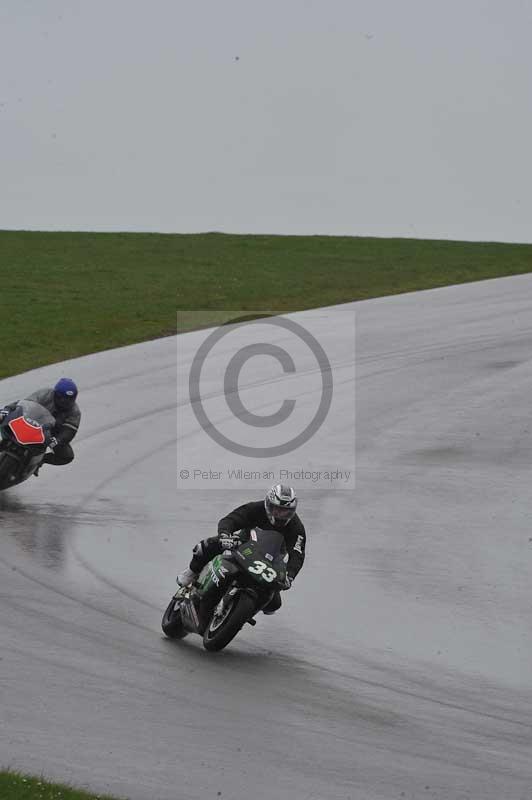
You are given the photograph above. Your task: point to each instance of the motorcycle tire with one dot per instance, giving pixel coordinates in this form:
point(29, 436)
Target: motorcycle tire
point(6, 470)
point(172, 623)
point(225, 631)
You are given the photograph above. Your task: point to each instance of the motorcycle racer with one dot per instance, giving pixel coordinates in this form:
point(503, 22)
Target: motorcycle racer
point(278, 512)
point(60, 400)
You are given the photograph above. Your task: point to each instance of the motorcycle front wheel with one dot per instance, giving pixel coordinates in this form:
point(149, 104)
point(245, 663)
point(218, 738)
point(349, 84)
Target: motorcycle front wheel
point(7, 470)
point(224, 626)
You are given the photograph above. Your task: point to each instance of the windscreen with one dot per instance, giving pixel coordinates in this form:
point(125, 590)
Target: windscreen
point(270, 541)
point(34, 411)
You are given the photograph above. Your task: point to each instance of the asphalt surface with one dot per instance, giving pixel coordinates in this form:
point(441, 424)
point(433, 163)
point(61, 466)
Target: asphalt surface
point(400, 664)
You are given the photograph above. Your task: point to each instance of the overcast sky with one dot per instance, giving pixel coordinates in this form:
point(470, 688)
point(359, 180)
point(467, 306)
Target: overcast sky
point(378, 117)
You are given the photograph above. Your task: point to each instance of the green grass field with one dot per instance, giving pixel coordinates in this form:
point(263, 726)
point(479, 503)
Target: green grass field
point(18, 787)
point(67, 294)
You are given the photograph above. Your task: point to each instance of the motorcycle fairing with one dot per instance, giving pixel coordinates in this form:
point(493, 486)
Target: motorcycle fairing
point(274, 566)
point(215, 577)
point(26, 431)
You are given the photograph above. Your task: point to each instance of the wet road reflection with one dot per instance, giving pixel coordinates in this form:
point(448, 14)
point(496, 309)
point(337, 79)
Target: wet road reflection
point(45, 531)
point(40, 530)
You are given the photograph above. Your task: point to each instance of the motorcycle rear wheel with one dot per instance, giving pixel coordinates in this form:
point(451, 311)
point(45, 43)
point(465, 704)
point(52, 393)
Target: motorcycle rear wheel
point(218, 634)
point(172, 623)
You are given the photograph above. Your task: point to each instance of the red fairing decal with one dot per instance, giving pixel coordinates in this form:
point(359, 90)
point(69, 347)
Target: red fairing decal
point(25, 432)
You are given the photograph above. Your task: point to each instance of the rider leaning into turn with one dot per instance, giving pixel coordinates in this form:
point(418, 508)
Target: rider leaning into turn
point(277, 512)
point(61, 403)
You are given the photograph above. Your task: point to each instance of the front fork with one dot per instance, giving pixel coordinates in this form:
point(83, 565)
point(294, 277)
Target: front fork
point(234, 590)
point(23, 456)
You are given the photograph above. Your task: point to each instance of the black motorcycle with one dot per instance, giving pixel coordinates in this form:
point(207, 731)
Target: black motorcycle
point(230, 590)
point(25, 433)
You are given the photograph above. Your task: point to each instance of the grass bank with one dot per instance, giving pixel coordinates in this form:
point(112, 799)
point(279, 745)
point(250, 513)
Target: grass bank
point(14, 786)
point(68, 294)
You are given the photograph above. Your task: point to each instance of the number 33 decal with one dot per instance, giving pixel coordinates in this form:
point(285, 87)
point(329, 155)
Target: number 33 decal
point(260, 568)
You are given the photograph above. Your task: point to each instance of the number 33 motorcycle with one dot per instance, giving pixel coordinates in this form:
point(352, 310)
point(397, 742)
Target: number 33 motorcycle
point(230, 590)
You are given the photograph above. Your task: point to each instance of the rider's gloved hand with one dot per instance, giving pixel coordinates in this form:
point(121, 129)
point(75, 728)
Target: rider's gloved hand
point(228, 541)
point(287, 583)
point(3, 413)
point(53, 443)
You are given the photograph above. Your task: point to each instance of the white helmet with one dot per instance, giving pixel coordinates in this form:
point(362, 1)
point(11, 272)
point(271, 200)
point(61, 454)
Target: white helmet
point(280, 504)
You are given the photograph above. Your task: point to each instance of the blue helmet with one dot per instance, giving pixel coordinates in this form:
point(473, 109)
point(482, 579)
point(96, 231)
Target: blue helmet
point(65, 393)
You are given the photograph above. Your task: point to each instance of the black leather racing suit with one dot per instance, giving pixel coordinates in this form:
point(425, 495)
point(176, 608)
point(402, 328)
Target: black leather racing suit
point(243, 518)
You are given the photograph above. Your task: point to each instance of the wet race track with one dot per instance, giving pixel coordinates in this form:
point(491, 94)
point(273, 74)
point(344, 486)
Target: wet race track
point(400, 664)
